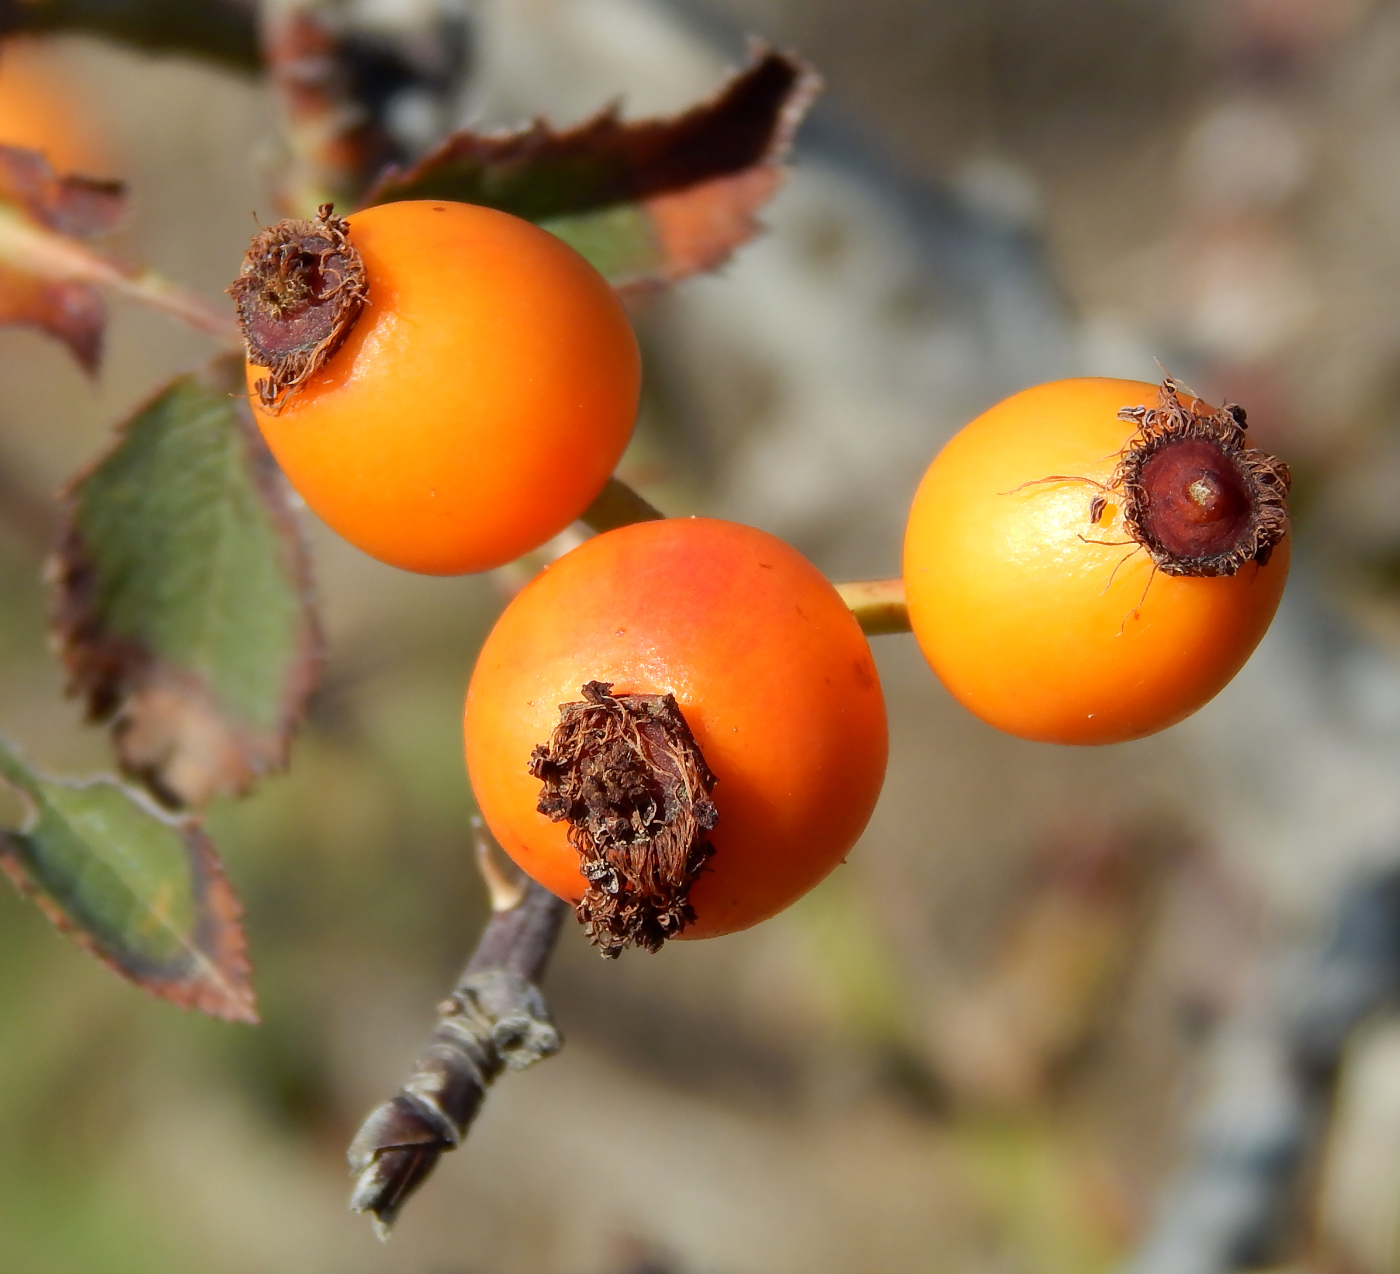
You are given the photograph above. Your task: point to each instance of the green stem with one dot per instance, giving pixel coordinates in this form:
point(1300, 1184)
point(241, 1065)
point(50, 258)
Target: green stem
point(222, 31)
point(878, 605)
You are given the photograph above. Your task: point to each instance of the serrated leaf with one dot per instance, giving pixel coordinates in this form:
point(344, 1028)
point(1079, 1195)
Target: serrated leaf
point(647, 201)
point(142, 890)
point(182, 607)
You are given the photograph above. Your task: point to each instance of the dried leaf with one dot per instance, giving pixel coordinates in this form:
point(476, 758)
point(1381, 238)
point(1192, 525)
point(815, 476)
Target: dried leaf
point(80, 206)
point(70, 312)
point(649, 201)
point(182, 607)
point(49, 279)
point(41, 215)
point(143, 890)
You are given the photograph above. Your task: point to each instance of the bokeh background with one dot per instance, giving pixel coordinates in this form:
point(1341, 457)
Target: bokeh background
point(1063, 1011)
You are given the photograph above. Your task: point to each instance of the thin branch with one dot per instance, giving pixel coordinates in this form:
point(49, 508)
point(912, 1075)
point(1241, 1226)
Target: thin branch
point(35, 249)
point(1237, 1200)
point(221, 31)
point(153, 289)
point(878, 604)
point(496, 1018)
point(618, 505)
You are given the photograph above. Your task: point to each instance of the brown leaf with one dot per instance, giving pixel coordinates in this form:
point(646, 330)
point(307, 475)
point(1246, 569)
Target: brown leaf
point(73, 313)
point(34, 200)
point(182, 601)
point(81, 206)
point(645, 201)
point(49, 278)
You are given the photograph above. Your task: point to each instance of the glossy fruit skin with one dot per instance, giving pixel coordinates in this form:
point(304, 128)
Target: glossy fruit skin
point(1024, 621)
point(479, 404)
point(769, 668)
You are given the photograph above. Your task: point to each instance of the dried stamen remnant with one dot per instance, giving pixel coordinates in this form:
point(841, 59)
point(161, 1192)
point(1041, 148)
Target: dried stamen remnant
point(1195, 497)
point(300, 291)
point(627, 774)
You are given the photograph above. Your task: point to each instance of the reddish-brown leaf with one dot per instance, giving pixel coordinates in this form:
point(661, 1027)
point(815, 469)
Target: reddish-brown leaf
point(50, 278)
point(80, 206)
point(647, 200)
point(34, 200)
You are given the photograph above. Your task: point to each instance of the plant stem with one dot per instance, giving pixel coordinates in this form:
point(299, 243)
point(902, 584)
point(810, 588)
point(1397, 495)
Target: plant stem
point(159, 293)
point(618, 505)
point(878, 605)
point(222, 31)
point(336, 146)
point(495, 1018)
point(337, 75)
point(35, 249)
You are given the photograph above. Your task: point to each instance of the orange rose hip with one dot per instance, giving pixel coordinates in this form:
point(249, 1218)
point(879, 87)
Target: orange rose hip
point(447, 386)
point(768, 669)
point(1092, 560)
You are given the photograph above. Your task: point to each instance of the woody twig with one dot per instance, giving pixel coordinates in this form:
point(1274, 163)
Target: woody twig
point(495, 1019)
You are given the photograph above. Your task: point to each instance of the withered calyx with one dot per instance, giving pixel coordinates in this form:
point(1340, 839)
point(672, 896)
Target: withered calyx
point(626, 773)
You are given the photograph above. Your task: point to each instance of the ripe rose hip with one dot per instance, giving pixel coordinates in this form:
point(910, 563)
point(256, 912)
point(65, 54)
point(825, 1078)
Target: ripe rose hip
point(668, 828)
point(1092, 560)
point(447, 386)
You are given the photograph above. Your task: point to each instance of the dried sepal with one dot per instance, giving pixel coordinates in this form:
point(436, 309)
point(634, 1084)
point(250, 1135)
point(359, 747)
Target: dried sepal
point(1196, 497)
point(626, 773)
point(298, 295)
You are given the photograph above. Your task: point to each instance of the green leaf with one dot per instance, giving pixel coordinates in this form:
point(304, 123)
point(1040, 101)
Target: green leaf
point(143, 890)
point(182, 606)
point(647, 201)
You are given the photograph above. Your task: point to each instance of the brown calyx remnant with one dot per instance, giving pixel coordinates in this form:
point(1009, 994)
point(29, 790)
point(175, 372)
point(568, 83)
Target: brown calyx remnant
point(627, 774)
point(299, 293)
point(1195, 497)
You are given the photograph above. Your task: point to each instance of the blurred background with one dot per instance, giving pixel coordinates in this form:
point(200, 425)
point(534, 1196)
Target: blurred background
point(1063, 1011)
